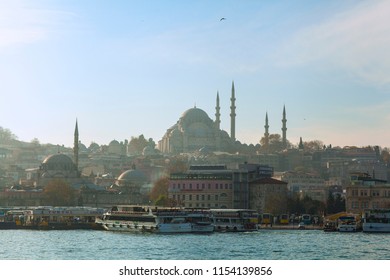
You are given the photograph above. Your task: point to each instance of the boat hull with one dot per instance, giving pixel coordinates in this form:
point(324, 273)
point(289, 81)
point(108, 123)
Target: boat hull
point(376, 227)
point(127, 227)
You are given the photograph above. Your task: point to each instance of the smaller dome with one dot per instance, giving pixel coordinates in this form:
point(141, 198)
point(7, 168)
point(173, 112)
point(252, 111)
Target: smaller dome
point(148, 151)
point(58, 160)
point(132, 175)
point(114, 142)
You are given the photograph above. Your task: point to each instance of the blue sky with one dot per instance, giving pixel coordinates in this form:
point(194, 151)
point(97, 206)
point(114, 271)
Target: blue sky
point(125, 68)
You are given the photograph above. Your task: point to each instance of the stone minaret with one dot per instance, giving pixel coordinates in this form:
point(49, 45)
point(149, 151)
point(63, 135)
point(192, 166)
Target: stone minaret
point(266, 134)
point(284, 128)
point(233, 115)
point(76, 146)
point(217, 114)
point(300, 146)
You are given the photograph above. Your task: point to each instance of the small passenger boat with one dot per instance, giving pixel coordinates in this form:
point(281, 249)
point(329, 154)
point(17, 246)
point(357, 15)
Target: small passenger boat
point(47, 217)
point(376, 220)
point(330, 226)
point(184, 220)
point(347, 224)
point(135, 218)
point(235, 220)
point(131, 218)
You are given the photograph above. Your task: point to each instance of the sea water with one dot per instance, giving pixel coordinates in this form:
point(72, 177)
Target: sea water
point(261, 245)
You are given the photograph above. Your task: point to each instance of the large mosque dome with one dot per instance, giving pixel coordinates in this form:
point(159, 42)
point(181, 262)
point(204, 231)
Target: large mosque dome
point(58, 166)
point(194, 130)
point(58, 162)
point(194, 115)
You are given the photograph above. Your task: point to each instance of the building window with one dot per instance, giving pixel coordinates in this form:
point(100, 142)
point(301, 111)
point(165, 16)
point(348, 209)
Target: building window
point(216, 197)
point(375, 193)
point(355, 205)
point(226, 186)
point(190, 197)
point(190, 186)
point(209, 186)
point(216, 186)
point(197, 197)
point(355, 192)
point(202, 196)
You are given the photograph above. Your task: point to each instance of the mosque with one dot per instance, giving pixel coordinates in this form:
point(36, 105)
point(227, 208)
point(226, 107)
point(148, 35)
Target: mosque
point(195, 130)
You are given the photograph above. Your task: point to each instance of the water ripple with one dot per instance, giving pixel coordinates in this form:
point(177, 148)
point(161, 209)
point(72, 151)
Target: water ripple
point(267, 245)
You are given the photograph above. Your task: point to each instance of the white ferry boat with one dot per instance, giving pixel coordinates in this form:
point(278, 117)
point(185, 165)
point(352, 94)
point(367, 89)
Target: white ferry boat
point(376, 220)
point(347, 224)
point(235, 220)
point(129, 218)
point(184, 220)
point(157, 219)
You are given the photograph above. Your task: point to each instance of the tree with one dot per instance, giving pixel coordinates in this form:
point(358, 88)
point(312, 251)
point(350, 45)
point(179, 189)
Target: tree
point(6, 136)
point(35, 142)
point(59, 193)
point(137, 144)
point(385, 156)
point(275, 144)
point(313, 145)
point(177, 165)
point(160, 189)
point(276, 204)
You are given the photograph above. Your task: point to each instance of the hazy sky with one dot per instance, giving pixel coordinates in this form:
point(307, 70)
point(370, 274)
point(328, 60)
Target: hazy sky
point(125, 68)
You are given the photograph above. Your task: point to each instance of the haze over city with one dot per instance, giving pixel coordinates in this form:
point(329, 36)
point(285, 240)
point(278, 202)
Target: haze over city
point(125, 68)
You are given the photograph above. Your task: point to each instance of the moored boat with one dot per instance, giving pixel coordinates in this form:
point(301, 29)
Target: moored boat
point(376, 220)
point(47, 217)
point(184, 220)
point(132, 218)
point(347, 224)
point(330, 226)
point(135, 218)
point(235, 220)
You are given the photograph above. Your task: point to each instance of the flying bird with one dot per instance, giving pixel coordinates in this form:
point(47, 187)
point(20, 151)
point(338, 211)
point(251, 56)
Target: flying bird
point(222, 19)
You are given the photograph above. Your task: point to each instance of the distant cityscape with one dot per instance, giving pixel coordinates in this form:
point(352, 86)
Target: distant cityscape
point(196, 164)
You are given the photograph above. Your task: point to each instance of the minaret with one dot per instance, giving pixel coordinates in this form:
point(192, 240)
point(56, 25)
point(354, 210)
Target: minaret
point(76, 146)
point(217, 113)
point(233, 115)
point(300, 146)
point(284, 128)
point(266, 134)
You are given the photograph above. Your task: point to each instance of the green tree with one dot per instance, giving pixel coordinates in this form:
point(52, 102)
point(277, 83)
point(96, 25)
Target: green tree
point(275, 144)
point(160, 189)
point(137, 144)
point(6, 136)
point(385, 155)
point(59, 193)
point(313, 145)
